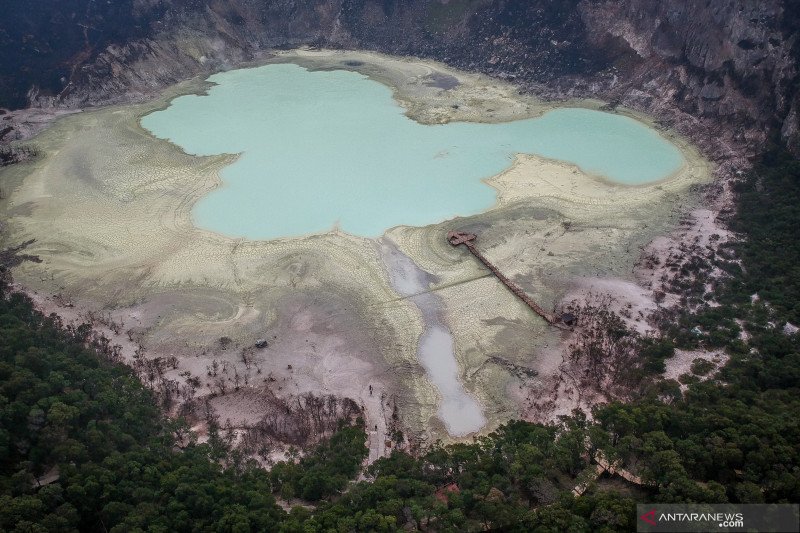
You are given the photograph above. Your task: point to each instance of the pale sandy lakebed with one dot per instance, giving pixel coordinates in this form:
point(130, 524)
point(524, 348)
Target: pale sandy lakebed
point(119, 220)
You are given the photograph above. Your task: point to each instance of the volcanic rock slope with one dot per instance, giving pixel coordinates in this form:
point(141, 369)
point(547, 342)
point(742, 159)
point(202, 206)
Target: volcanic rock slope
point(716, 69)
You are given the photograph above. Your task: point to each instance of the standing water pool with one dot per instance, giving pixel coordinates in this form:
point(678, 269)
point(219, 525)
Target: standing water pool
point(326, 149)
point(333, 149)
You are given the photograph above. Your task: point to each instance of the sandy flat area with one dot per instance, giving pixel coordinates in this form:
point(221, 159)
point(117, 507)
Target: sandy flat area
point(110, 208)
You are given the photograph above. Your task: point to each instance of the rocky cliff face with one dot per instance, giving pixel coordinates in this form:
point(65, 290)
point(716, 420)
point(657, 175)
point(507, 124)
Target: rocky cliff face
point(733, 63)
point(720, 71)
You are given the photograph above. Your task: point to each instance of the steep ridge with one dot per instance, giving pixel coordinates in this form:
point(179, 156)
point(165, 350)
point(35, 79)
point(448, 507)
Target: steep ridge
point(714, 70)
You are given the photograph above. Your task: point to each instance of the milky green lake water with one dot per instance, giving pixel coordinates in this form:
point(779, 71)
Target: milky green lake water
point(326, 149)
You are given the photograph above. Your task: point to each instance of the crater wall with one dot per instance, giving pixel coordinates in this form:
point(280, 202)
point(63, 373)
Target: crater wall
point(715, 70)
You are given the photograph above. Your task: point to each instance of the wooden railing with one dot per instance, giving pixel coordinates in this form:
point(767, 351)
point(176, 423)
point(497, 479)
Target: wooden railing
point(457, 238)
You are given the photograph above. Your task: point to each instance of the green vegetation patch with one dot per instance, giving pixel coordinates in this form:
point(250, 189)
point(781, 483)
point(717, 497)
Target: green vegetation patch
point(442, 15)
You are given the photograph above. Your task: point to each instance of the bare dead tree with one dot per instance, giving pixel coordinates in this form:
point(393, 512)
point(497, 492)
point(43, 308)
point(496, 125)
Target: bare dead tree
point(298, 421)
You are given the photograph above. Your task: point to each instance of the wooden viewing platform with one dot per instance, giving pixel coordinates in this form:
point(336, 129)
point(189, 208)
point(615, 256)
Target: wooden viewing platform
point(594, 471)
point(457, 238)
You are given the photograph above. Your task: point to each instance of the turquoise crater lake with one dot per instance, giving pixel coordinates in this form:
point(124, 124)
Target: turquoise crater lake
point(333, 148)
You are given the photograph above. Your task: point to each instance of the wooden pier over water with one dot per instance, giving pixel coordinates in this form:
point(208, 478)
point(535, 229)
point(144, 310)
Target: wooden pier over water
point(457, 238)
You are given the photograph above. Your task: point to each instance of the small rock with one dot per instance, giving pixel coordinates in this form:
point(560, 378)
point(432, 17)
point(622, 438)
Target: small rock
point(569, 319)
point(790, 329)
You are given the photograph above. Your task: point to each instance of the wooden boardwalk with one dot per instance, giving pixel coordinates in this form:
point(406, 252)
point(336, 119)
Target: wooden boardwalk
point(457, 238)
point(601, 464)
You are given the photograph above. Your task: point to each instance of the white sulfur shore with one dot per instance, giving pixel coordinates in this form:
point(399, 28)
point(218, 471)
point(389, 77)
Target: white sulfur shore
point(109, 207)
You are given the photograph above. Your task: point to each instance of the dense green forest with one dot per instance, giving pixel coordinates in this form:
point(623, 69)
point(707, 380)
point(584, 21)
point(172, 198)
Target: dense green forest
point(106, 460)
